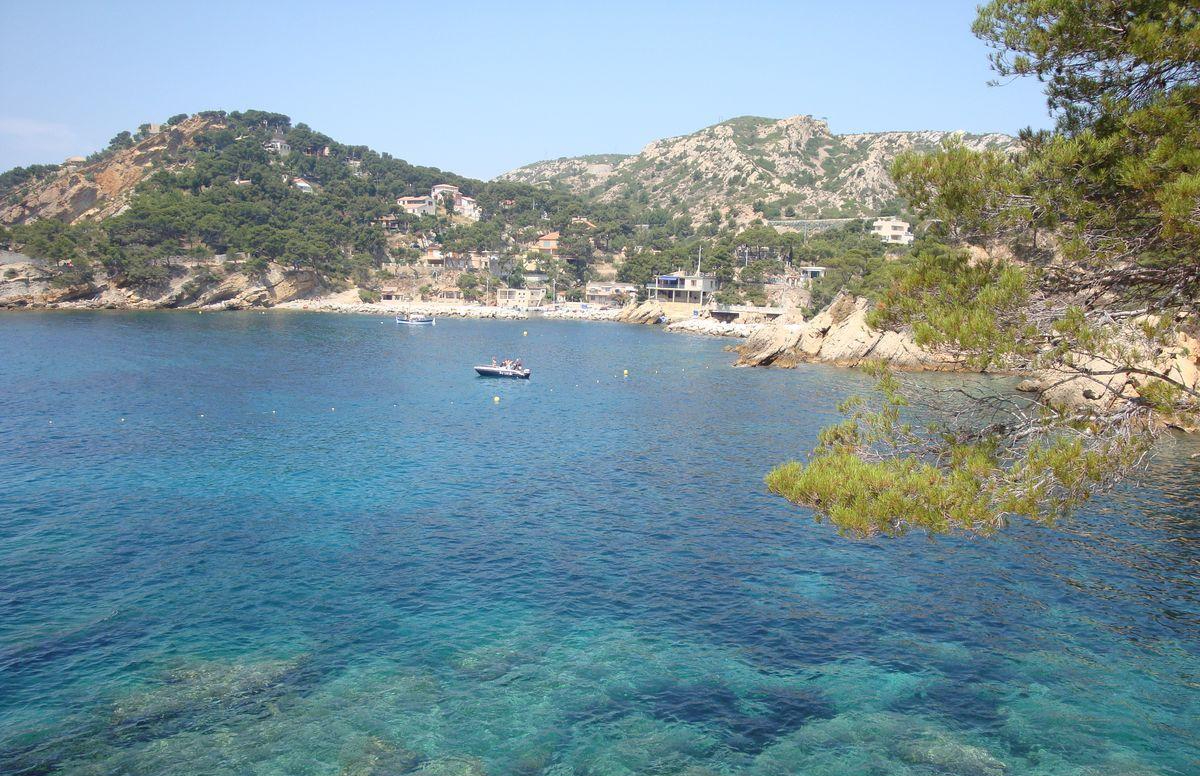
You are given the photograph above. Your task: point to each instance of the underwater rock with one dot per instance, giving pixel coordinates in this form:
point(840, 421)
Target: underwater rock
point(381, 758)
point(489, 661)
point(454, 765)
point(950, 755)
point(204, 692)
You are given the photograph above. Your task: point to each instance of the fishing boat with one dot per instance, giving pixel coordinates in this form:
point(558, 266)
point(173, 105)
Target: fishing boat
point(499, 370)
point(415, 320)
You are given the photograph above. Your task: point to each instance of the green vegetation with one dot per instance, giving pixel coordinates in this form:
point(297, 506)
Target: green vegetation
point(1102, 215)
point(18, 176)
point(229, 194)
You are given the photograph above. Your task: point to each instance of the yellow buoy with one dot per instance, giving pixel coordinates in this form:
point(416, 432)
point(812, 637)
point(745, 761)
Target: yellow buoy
point(524, 334)
point(495, 399)
point(627, 373)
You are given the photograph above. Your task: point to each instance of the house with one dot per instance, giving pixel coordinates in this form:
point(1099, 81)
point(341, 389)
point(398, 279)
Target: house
point(448, 294)
point(277, 145)
point(391, 222)
point(520, 297)
point(580, 220)
point(433, 258)
point(609, 294)
point(417, 206)
point(468, 208)
point(242, 181)
point(548, 243)
point(892, 230)
point(683, 288)
point(463, 205)
point(797, 277)
point(443, 189)
point(74, 161)
point(303, 185)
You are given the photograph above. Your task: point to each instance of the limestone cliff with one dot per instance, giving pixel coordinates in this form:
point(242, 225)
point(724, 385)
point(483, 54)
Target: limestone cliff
point(26, 283)
point(102, 188)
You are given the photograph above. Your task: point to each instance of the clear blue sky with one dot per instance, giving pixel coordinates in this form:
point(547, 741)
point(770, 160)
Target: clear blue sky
point(480, 88)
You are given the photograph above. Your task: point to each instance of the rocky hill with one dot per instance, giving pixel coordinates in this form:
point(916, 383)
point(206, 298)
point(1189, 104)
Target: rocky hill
point(792, 167)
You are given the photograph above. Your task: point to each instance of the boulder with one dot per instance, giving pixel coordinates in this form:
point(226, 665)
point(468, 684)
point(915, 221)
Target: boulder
point(839, 334)
point(646, 312)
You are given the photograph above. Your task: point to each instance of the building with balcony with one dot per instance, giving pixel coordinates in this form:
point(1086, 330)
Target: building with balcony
point(520, 297)
point(682, 288)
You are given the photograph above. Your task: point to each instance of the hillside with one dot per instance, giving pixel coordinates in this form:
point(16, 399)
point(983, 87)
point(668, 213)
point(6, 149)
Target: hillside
point(199, 199)
point(791, 167)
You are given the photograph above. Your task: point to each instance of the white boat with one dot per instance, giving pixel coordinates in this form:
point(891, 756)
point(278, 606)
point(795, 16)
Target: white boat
point(514, 372)
point(415, 320)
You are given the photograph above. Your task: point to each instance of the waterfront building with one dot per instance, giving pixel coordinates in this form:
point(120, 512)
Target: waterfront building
point(679, 287)
point(609, 293)
point(520, 297)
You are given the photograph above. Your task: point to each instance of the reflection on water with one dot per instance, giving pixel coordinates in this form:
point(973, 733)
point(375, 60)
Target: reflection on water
point(357, 563)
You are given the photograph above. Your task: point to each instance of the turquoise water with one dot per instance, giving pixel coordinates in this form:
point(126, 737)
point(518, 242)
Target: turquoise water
point(314, 544)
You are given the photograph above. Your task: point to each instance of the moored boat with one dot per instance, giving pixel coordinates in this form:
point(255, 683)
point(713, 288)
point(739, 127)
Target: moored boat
point(415, 320)
point(514, 372)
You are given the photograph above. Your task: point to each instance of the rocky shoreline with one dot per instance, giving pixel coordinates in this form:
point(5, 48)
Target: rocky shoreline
point(837, 335)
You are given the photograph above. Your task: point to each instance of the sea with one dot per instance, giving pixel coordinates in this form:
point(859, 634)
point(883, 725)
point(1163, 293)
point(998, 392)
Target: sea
point(303, 543)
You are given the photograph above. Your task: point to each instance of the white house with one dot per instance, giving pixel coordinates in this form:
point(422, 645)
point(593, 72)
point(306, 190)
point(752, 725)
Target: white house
point(892, 230)
point(684, 288)
point(303, 185)
point(417, 206)
point(277, 145)
point(468, 208)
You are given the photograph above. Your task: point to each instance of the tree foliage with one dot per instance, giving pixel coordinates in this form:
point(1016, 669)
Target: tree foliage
point(1102, 217)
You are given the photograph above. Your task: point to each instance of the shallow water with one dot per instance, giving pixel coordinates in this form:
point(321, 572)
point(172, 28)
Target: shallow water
point(314, 544)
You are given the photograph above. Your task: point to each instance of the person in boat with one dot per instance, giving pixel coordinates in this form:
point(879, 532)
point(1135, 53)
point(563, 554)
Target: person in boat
point(494, 361)
point(517, 364)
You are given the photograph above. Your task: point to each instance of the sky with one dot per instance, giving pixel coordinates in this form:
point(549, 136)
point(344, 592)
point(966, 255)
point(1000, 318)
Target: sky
point(481, 88)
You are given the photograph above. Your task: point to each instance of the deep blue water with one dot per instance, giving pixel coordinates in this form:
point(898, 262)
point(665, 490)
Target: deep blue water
point(314, 544)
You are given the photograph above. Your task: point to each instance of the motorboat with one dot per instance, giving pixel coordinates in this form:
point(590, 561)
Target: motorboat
point(499, 370)
point(412, 319)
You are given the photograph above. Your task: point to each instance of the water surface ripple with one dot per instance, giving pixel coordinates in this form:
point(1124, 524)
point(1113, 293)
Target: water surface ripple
point(314, 544)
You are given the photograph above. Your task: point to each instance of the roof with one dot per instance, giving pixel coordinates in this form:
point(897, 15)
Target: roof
point(550, 236)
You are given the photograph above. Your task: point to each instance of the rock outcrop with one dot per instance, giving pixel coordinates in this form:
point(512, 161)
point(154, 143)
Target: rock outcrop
point(102, 188)
point(26, 283)
point(713, 328)
point(1066, 387)
point(647, 312)
point(840, 335)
